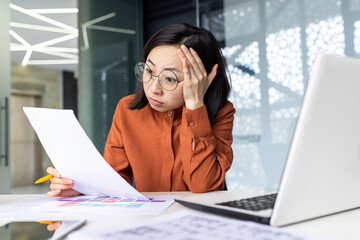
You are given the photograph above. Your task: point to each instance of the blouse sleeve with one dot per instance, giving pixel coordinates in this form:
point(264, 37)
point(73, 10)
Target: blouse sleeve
point(206, 149)
point(114, 152)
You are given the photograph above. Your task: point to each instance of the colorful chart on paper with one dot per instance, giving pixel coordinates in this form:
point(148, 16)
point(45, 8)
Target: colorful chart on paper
point(155, 204)
point(106, 201)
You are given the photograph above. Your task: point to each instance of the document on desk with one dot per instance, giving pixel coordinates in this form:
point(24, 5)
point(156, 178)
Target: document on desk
point(55, 208)
point(192, 225)
point(21, 209)
point(75, 156)
point(106, 205)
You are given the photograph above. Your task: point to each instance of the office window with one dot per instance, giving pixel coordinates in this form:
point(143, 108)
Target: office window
point(270, 47)
point(357, 36)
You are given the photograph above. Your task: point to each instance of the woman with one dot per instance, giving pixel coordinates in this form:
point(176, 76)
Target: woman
point(175, 132)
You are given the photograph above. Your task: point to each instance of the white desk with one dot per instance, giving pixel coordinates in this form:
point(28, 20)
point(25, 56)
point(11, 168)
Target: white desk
point(339, 226)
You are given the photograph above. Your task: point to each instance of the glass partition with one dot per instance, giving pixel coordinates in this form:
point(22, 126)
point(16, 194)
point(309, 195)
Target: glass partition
point(270, 47)
point(5, 91)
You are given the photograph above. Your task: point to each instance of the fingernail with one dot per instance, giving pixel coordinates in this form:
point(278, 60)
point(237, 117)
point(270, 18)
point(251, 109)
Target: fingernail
point(57, 191)
point(69, 181)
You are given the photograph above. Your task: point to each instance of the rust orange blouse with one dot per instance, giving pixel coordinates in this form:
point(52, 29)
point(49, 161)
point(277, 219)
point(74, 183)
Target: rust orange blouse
point(176, 150)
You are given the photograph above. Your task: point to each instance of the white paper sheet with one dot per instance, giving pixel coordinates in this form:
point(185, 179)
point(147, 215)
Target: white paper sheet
point(66, 227)
point(192, 225)
point(106, 205)
point(20, 210)
point(41, 207)
point(74, 155)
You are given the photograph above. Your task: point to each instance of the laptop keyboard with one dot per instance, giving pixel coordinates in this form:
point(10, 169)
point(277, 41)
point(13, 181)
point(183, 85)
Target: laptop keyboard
point(253, 204)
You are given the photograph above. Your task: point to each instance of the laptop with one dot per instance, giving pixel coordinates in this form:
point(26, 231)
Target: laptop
point(322, 171)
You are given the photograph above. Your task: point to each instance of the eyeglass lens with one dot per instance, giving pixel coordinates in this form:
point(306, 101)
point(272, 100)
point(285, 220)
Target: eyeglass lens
point(167, 78)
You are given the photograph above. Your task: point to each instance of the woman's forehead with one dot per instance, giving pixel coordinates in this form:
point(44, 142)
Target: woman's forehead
point(164, 56)
point(165, 53)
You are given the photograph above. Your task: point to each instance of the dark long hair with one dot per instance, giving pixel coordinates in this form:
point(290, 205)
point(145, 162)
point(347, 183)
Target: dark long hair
point(208, 49)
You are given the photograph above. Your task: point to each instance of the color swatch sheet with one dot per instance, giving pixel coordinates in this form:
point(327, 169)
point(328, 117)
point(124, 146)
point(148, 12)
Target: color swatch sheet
point(43, 207)
point(108, 205)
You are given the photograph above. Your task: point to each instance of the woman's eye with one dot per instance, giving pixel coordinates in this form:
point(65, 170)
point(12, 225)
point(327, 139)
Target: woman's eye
point(171, 80)
point(148, 70)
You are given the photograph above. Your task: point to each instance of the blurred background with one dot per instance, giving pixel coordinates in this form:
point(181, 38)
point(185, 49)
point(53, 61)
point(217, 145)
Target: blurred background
point(80, 54)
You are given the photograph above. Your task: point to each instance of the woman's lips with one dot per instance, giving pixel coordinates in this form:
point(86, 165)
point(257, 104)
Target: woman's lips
point(155, 102)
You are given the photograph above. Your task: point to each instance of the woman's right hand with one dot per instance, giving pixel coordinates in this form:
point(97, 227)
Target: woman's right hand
point(60, 187)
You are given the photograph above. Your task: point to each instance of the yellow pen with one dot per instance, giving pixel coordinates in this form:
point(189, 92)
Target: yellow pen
point(43, 179)
point(45, 222)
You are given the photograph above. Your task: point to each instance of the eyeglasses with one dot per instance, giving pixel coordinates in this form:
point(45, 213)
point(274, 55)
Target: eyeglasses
point(167, 78)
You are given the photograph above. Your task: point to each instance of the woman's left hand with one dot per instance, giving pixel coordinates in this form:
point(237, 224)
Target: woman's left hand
point(196, 79)
point(53, 226)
